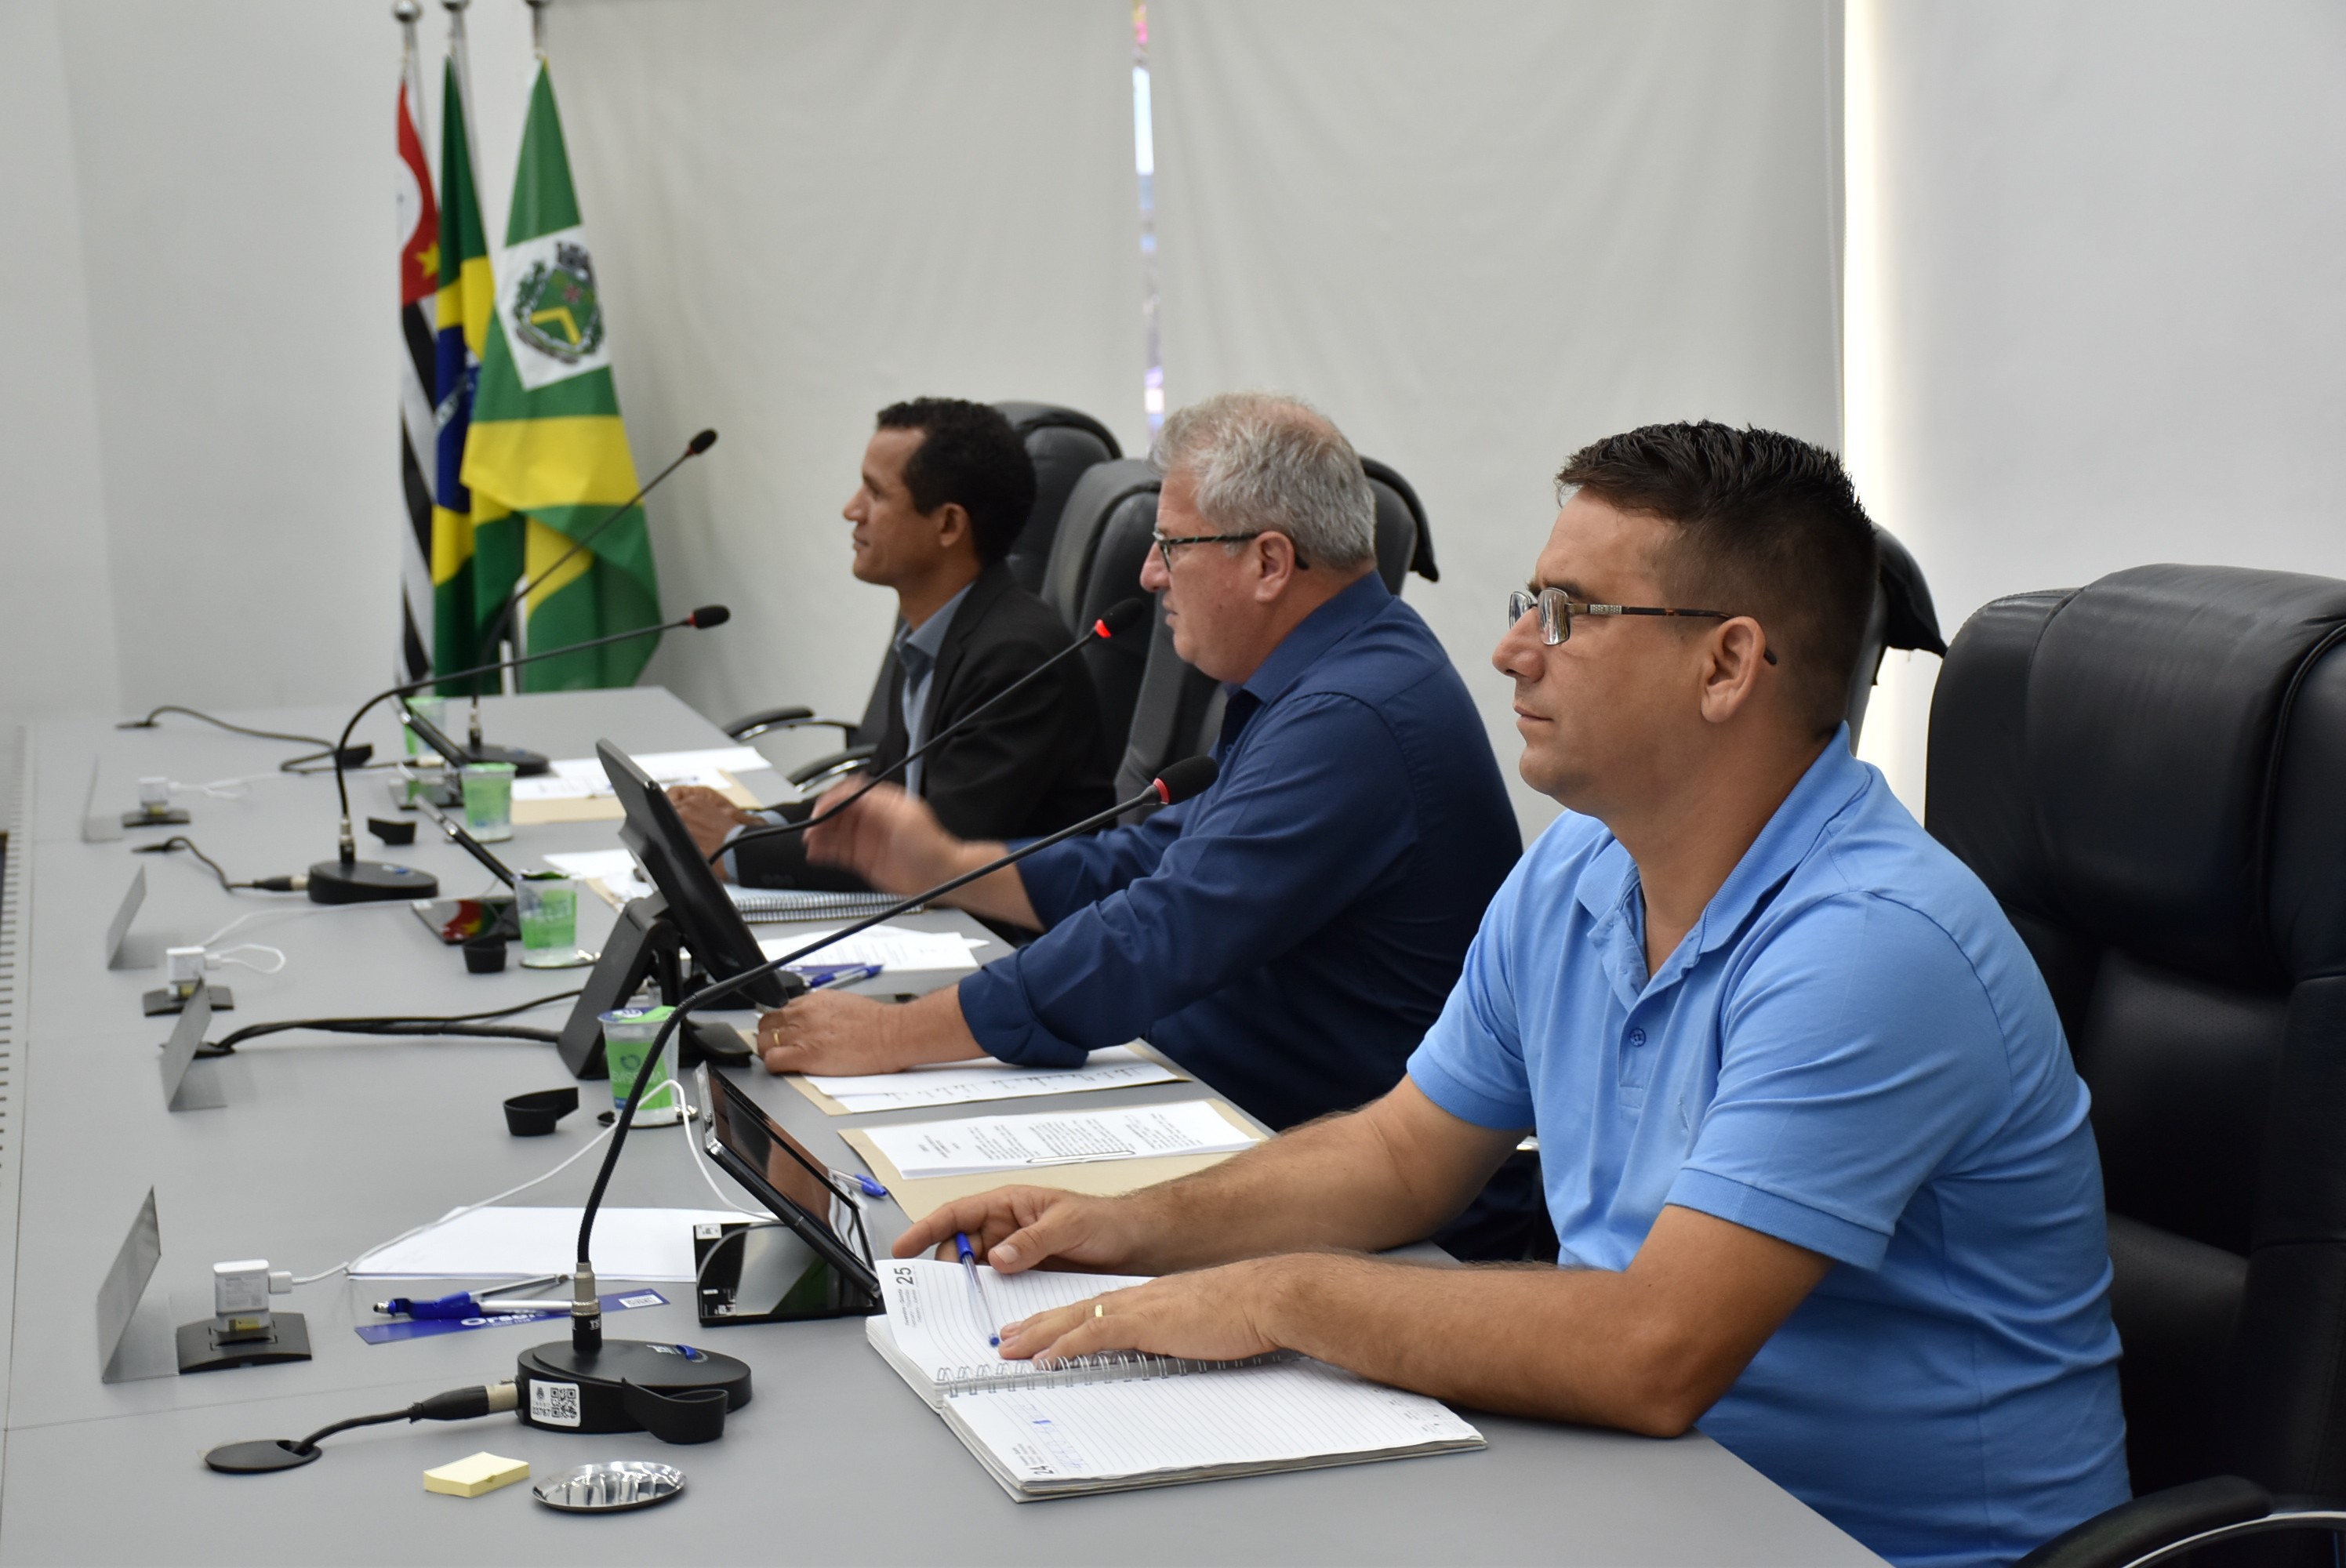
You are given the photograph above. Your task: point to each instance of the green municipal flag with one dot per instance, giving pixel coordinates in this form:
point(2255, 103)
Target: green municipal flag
point(466, 588)
point(546, 445)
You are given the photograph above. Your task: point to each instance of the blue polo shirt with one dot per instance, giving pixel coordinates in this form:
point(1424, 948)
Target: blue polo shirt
point(1851, 1050)
point(1289, 934)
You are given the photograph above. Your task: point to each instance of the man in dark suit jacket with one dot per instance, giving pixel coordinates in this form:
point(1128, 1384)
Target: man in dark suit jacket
point(946, 487)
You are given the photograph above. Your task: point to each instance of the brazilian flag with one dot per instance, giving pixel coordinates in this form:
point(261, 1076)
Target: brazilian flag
point(466, 591)
point(547, 453)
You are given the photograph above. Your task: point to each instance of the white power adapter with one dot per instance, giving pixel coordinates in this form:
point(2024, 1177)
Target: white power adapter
point(183, 970)
point(241, 1293)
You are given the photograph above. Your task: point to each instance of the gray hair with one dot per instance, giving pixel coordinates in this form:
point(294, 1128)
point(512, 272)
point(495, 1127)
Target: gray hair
point(1262, 461)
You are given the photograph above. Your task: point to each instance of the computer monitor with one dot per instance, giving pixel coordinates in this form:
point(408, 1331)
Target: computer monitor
point(705, 917)
point(689, 910)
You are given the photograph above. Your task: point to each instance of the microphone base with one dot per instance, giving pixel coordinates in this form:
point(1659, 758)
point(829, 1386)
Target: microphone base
point(369, 881)
point(526, 764)
point(561, 1388)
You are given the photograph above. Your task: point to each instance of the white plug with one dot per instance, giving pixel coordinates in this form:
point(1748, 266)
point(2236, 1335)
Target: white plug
point(183, 968)
point(155, 794)
point(241, 1293)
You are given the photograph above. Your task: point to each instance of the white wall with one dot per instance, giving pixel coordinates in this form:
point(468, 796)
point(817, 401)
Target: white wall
point(57, 603)
point(1481, 235)
point(2098, 290)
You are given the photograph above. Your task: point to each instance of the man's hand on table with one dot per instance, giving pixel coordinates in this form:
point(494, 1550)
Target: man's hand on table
point(708, 817)
point(1213, 1314)
point(833, 1032)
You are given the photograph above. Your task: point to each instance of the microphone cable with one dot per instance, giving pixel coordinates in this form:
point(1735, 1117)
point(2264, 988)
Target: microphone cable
point(465, 1025)
point(285, 884)
point(149, 723)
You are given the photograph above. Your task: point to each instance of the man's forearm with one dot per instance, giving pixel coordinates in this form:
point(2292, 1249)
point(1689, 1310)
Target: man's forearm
point(1526, 1339)
point(1000, 897)
point(1364, 1181)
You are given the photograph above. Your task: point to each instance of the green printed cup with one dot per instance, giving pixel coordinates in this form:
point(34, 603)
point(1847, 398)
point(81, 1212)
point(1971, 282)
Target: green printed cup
point(488, 800)
point(628, 1035)
point(547, 905)
point(434, 711)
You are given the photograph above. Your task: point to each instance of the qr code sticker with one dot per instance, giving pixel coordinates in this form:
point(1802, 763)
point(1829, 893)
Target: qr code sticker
point(555, 1404)
point(648, 1298)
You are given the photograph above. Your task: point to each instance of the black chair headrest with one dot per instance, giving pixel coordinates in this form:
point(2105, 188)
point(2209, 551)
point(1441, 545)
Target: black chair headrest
point(2158, 761)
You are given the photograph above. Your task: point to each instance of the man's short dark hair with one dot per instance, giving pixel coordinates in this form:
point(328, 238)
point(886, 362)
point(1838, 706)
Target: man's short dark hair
point(968, 454)
point(1765, 525)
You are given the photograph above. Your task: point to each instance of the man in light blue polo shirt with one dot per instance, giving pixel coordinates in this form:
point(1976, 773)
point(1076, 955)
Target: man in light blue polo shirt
point(1819, 1168)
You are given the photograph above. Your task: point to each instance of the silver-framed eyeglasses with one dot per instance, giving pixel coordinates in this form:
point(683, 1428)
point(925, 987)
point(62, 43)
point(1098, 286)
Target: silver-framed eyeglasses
point(1167, 542)
point(1556, 609)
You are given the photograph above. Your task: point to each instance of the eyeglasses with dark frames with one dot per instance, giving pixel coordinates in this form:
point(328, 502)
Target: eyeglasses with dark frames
point(1168, 543)
point(1556, 609)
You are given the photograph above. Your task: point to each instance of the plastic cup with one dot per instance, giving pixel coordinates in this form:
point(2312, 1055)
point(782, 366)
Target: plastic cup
point(628, 1035)
point(548, 907)
point(434, 711)
point(488, 800)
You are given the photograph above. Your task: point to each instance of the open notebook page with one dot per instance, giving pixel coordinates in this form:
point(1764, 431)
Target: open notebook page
point(938, 1324)
point(1046, 1439)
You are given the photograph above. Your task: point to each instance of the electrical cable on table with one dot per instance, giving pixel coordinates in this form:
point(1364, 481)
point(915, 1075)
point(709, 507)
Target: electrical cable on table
point(452, 1024)
point(182, 841)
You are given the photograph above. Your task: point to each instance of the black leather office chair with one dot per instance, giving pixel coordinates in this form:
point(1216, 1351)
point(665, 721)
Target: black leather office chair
point(1177, 712)
point(2150, 775)
point(1063, 442)
point(1095, 563)
point(1902, 617)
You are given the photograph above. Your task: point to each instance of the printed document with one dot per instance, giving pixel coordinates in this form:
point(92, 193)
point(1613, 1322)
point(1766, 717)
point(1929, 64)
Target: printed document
point(959, 1082)
point(1012, 1144)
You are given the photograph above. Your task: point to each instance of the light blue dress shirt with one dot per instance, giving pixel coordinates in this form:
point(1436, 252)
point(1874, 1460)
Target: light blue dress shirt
point(1851, 1050)
point(917, 656)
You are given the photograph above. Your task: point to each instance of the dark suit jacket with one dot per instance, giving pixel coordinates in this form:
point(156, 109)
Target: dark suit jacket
point(1033, 764)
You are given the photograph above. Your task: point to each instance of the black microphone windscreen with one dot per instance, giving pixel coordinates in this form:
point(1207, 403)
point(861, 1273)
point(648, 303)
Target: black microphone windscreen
point(1121, 617)
point(1190, 777)
point(710, 616)
point(701, 443)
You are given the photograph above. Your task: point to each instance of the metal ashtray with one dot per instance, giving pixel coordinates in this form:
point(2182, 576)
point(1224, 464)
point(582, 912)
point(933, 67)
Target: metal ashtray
point(620, 1483)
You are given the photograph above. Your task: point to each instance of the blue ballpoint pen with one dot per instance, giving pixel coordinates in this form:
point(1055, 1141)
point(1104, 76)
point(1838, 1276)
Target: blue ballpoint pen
point(977, 1287)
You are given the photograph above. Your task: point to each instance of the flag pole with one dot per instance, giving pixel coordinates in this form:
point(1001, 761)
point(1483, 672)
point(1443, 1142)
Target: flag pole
point(537, 27)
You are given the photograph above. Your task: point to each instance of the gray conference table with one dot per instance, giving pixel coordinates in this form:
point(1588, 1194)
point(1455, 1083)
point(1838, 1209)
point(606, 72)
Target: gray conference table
point(329, 1144)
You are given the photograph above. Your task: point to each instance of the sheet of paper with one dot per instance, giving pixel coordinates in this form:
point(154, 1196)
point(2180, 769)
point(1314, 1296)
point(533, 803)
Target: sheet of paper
point(894, 947)
point(942, 1326)
point(507, 1243)
point(959, 1082)
point(574, 777)
point(1005, 1144)
point(614, 869)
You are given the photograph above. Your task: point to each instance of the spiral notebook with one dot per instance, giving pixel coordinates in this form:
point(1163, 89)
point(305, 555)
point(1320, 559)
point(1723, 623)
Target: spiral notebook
point(1112, 1422)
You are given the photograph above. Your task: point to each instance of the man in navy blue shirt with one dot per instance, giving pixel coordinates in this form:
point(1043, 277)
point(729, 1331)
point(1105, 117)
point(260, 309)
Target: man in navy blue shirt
point(1287, 935)
point(1819, 1166)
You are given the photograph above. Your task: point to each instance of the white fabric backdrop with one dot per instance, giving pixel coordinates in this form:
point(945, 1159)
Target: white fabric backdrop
point(1480, 235)
point(804, 212)
point(2098, 291)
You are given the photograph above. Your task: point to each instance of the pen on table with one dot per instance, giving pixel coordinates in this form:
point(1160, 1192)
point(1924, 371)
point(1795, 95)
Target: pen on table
point(846, 975)
point(461, 1303)
point(977, 1287)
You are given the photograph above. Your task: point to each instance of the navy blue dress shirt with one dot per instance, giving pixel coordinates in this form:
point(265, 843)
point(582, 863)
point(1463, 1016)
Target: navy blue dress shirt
point(1289, 934)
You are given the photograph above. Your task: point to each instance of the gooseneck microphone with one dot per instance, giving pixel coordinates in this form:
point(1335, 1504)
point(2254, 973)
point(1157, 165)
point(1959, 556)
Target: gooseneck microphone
point(1188, 778)
point(478, 750)
point(346, 878)
point(1119, 618)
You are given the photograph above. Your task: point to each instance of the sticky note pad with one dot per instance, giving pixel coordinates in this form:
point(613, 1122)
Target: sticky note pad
point(471, 1477)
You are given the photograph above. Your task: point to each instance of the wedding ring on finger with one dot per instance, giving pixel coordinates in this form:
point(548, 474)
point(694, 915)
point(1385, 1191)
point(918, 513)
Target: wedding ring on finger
point(1099, 1309)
